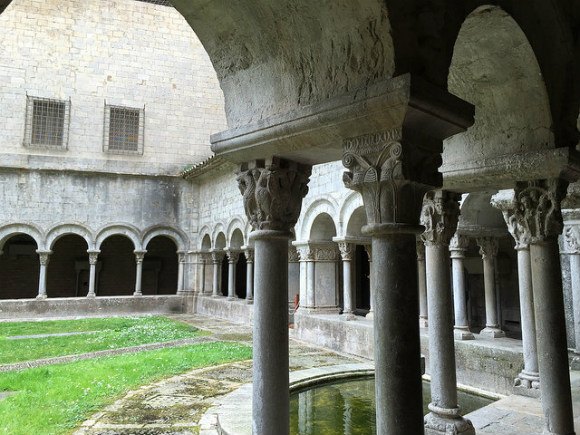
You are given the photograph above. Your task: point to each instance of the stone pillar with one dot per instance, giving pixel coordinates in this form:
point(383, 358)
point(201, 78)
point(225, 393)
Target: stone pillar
point(537, 207)
point(488, 251)
point(457, 248)
point(439, 216)
point(44, 258)
point(369, 251)
point(139, 255)
point(306, 256)
point(180, 270)
point(233, 257)
point(249, 254)
point(422, 278)
point(93, 259)
point(384, 169)
point(273, 191)
point(346, 252)
point(529, 377)
point(216, 258)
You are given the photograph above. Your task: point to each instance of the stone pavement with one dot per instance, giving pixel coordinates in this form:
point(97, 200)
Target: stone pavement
point(183, 404)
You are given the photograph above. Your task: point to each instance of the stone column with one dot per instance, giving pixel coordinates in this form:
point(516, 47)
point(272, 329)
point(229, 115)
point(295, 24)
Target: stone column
point(439, 216)
point(488, 251)
point(249, 254)
point(306, 256)
point(346, 252)
point(422, 278)
point(273, 191)
point(529, 377)
point(369, 251)
point(216, 258)
point(537, 207)
point(233, 257)
point(457, 248)
point(201, 279)
point(139, 255)
point(384, 169)
point(93, 259)
point(44, 258)
point(180, 269)
point(572, 247)
point(310, 279)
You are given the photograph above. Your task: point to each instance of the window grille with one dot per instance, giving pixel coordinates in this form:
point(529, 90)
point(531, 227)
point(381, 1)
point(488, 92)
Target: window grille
point(157, 2)
point(47, 123)
point(124, 130)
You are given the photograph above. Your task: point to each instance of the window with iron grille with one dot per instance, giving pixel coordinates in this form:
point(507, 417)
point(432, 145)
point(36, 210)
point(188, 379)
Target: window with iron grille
point(124, 130)
point(47, 123)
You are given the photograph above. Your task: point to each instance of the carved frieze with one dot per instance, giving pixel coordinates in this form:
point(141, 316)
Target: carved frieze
point(326, 254)
point(537, 208)
point(273, 193)
point(439, 216)
point(572, 239)
point(305, 253)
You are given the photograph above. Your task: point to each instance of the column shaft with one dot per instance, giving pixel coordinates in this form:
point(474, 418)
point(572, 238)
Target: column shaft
point(231, 280)
point(488, 251)
point(310, 275)
point(93, 258)
point(461, 327)
point(422, 277)
point(180, 268)
point(249, 281)
point(138, 279)
point(575, 281)
point(396, 335)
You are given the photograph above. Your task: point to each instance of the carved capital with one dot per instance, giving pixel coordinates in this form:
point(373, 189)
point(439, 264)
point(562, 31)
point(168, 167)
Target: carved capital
point(206, 257)
point(346, 250)
point(439, 216)
point(217, 256)
point(293, 256)
point(537, 207)
point(273, 192)
point(139, 255)
point(572, 239)
point(44, 257)
point(420, 249)
point(488, 247)
point(233, 256)
point(505, 202)
point(369, 251)
point(458, 245)
point(305, 253)
point(181, 256)
point(326, 253)
point(391, 174)
point(249, 254)
point(93, 257)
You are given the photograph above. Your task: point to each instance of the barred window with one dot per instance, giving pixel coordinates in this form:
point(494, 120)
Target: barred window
point(47, 123)
point(124, 130)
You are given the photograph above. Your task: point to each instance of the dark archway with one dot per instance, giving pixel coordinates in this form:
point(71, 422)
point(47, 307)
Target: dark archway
point(117, 277)
point(160, 267)
point(68, 269)
point(19, 268)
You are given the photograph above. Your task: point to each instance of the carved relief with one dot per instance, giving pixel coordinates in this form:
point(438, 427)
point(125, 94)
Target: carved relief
point(233, 256)
point(325, 254)
point(93, 257)
point(273, 193)
point(390, 182)
point(139, 255)
point(572, 239)
point(459, 243)
point(488, 247)
point(369, 251)
point(346, 250)
point(305, 253)
point(249, 254)
point(537, 207)
point(513, 220)
point(439, 216)
point(293, 256)
point(217, 256)
point(44, 257)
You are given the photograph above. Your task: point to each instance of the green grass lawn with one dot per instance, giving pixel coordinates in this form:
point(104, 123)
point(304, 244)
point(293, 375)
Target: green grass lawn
point(109, 333)
point(56, 399)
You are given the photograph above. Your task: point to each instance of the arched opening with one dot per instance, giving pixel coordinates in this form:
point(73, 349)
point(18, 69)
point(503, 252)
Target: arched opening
point(68, 269)
point(117, 277)
point(361, 265)
point(220, 245)
point(495, 69)
point(208, 264)
point(160, 267)
point(323, 228)
point(236, 243)
point(19, 268)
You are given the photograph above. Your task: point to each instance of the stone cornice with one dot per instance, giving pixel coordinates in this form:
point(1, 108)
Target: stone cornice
point(315, 133)
point(211, 165)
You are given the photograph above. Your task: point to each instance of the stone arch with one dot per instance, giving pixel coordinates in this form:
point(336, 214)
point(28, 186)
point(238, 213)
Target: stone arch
point(121, 229)
point(179, 237)
point(31, 230)
point(321, 205)
point(352, 202)
point(323, 228)
point(204, 238)
point(220, 241)
point(236, 239)
point(59, 231)
point(495, 68)
point(236, 225)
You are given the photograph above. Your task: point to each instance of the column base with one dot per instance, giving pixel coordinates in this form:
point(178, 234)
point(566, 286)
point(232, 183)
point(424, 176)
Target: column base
point(462, 333)
point(137, 294)
point(41, 297)
point(91, 296)
point(423, 322)
point(250, 301)
point(232, 298)
point(527, 384)
point(492, 332)
point(348, 316)
point(453, 423)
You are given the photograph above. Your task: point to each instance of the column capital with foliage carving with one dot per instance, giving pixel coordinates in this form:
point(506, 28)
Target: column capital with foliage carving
point(439, 216)
point(488, 247)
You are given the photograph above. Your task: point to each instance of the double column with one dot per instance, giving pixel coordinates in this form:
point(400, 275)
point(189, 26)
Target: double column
point(537, 209)
point(233, 257)
point(272, 192)
point(249, 254)
point(346, 253)
point(457, 248)
point(439, 216)
point(217, 256)
point(488, 248)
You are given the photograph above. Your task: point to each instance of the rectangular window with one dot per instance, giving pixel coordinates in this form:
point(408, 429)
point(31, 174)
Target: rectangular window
point(47, 123)
point(124, 130)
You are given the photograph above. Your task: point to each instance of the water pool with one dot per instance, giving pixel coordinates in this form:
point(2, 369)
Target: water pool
point(348, 407)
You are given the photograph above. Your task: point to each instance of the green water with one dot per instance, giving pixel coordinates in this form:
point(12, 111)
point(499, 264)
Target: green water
point(349, 407)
